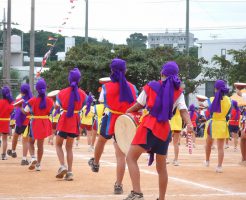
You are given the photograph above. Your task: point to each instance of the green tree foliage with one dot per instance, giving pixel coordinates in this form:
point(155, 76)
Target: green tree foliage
point(137, 40)
point(143, 65)
point(232, 71)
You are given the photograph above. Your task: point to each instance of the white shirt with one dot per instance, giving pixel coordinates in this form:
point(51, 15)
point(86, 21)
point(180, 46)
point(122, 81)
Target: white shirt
point(179, 103)
point(101, 97)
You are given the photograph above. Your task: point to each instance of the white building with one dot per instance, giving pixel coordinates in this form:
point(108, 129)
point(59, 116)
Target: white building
point(69, 43)
point(175, 40)
point(208, 49)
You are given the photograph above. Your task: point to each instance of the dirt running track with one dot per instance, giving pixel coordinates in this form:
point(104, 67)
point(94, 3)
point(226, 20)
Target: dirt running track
point(189, 181)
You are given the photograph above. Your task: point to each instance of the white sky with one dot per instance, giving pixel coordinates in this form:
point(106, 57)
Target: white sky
point(115, 20)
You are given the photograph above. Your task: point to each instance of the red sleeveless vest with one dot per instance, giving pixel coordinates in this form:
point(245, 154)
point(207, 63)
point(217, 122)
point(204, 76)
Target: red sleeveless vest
point(111, 101)
point(159, 129)
point(235, 117)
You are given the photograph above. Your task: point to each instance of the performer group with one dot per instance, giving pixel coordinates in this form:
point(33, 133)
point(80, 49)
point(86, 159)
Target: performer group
point(165, 117)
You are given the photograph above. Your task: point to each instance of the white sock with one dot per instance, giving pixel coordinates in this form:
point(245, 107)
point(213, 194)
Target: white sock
point(23, 158)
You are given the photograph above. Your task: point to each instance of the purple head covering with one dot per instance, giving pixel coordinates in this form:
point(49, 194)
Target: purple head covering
point(192, 110)
point(235, 104)
point(118, 67)
point(163, 105)
point(19, 116)
point(220, 85)
point(41, 89)
point(88, 104)
point(7, 94)
point(25, 89)
point(73, 78)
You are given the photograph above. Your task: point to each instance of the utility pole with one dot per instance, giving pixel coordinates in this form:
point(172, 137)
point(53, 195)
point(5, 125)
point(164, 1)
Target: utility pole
point(6, 45)
point(32, 46)
point(86, 21)
point(4, 48)
point(187, 26)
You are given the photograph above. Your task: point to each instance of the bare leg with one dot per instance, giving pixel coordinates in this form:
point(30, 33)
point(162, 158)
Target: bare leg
point(14, 141)
point(99, 149)
point(132, 158)
point(25, 146)
point(69, 149)
point(121, 164)
point(220, 145)
point(31, 147)
point(162, 175)
point(40, 151)
point(243, 147)
point(59, 150)
point(4, 142)
point(209, 142)
point(176, 137)
point(235, 138)
point(89, 137)
point(93, 138)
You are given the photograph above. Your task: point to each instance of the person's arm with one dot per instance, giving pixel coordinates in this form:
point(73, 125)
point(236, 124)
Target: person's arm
point(141, 102)
point(186, 117)
point(26, 110)
point(181, 105)
point(137, 106)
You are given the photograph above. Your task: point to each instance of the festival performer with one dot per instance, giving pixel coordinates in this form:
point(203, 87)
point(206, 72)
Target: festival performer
point(217, 127)
point(234, 121)
point(6, 108)
point(87, 116)
point(99, 110)
point(54, 119)
point(71, 101)
point(153, 134)
point(117, 95)
point(243, 133)
point(194, 119)
point(176, 127)
point(22, 122)
point(40, 108)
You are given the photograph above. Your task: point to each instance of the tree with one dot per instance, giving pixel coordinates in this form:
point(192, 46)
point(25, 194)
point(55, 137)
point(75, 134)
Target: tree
point(137, 40)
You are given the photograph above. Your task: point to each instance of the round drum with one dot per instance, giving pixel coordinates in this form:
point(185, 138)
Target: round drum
point(125, 129)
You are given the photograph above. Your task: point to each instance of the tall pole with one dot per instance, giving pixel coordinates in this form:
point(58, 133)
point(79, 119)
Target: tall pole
point(4, 48)
point(187, 27)
point(8, 43)
point(86, 21)
point(32, 50)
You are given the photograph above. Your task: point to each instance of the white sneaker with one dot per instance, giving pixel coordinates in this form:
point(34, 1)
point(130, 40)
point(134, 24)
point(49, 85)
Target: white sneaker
point(175, 163)
point(218, 169)
point(90, 149)
point(206, 163)
point(32, 164)
point(38, 167)
point(167, 161)
point(62, 171)
point(227, 146)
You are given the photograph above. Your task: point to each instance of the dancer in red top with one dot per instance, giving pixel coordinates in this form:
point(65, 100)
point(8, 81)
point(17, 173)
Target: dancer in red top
point(40, 108)
point(153, 134)
point(71, 101)
point(234, 122)
point(117, 95)
point(6, 108)
point(194, 119)
point(22, 122)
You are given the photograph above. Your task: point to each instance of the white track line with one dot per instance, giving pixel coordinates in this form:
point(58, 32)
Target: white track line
point(187, 182)
point(84, 196)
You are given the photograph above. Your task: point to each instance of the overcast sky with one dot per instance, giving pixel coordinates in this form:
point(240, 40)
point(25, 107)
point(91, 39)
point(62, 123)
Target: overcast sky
point(115, 20)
